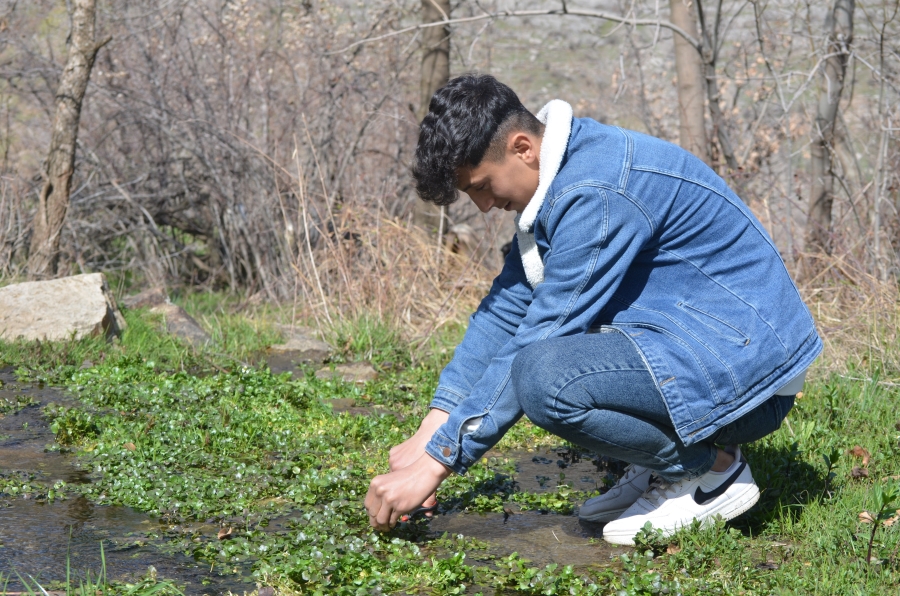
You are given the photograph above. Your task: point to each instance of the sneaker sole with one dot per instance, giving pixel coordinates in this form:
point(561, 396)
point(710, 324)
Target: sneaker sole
point(603, 517)
point(729, 510)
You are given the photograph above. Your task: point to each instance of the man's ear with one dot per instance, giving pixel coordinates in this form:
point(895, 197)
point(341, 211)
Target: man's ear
point(523, 146)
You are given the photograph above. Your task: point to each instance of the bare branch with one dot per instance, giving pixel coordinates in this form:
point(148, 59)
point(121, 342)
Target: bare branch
point(564, 11)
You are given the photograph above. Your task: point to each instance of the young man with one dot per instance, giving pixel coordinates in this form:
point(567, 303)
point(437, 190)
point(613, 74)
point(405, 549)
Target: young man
point(643, 313)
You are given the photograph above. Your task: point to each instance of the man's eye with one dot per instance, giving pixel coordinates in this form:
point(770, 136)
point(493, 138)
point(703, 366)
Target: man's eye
point(481, 187)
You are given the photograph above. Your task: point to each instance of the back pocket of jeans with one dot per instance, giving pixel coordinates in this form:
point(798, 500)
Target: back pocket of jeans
point(715, 324)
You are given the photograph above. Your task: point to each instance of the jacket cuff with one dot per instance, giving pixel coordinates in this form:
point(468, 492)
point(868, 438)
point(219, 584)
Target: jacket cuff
point(449, 453)
point(446, 399)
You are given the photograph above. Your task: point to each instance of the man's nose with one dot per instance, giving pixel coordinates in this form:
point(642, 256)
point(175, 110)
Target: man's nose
point(484, 203)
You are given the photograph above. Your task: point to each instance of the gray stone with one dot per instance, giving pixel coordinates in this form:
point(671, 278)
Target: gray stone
point(181, 325)
point(355, 372)
point(147, 299)
point(303, 350)
point(59, 309)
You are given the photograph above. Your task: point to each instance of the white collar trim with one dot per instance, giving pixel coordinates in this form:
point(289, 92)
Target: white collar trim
point(557, 119)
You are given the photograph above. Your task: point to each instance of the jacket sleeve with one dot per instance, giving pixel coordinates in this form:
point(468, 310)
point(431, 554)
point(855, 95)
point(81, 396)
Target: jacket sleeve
point(594, 235)
point(490, 328)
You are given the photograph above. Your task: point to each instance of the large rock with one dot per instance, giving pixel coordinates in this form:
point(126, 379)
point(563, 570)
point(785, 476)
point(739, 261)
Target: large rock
point(182, 325)
point(59, 309)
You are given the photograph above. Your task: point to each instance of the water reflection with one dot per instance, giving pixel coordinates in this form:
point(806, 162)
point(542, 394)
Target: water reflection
point(39, 538)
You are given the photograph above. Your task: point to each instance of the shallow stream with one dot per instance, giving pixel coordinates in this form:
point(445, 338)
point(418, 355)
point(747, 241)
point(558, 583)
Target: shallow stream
point(39, 538)
point(541, 538)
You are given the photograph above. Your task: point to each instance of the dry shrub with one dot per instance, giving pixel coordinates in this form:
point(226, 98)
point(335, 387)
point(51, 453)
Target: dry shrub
point(858, 317)
point(14, 227)
point(371, 264)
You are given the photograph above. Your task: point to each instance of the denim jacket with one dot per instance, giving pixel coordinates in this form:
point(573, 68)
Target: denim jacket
point(636, 234)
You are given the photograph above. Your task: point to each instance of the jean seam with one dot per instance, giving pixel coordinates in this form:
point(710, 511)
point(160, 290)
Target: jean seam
point(607, 441)
point(594, 372)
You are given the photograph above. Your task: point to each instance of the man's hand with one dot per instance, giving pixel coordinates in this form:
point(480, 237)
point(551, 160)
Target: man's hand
point(413, 448)
point(392, 495)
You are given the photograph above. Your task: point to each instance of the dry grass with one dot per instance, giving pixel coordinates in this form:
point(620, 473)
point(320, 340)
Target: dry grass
point(368, 264)
point(858, 317)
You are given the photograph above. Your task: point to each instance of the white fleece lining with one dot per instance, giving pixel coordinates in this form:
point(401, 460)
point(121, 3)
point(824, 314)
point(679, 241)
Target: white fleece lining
point(557, 119)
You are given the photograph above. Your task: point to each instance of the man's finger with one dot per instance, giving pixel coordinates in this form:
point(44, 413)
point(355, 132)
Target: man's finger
point(383, 517)
point(395, 515)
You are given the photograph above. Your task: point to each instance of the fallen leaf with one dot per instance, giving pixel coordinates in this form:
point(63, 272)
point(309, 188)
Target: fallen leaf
point(672, 549)
point(768, 566)
point(858, 472)
point(890, 521)
point(866, 517)
point(799, 395)
point(224, 534)
point(858, 451)
point(130, 446)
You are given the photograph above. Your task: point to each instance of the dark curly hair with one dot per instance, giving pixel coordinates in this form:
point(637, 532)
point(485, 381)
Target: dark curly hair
point(468, 120)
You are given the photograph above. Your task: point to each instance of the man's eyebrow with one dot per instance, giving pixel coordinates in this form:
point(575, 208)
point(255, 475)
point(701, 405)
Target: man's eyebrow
point(471, 184)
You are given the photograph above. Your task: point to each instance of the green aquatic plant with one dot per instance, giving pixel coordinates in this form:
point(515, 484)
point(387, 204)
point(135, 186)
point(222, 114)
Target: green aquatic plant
point(93, 585)
point(212, 443)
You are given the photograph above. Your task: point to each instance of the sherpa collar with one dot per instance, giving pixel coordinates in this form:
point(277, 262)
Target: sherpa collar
point(557, 119)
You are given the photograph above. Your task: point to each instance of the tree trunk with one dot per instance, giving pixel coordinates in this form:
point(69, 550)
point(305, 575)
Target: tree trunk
point(435, 74)
point(710, 39)
point(54, 198)
point(689, 68)
point(839, 27)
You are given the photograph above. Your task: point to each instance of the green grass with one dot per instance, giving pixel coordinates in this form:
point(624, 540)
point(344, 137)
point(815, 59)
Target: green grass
point(212, 436)
point(93, 586)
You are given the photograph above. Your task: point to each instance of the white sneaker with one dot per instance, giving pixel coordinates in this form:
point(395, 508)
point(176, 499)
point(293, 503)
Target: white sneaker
point(670, 506)
point(620, 497)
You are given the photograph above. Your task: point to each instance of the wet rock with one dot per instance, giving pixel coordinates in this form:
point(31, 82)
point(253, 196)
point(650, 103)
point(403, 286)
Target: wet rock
point(355, 372)
point(181, 325)
point(59, 309)
point(147, 299)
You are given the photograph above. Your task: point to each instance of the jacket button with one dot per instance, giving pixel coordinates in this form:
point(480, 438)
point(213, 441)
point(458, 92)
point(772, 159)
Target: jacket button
point(446, 451)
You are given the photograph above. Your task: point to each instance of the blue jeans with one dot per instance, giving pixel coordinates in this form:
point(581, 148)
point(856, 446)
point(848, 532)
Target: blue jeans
point(595, 391)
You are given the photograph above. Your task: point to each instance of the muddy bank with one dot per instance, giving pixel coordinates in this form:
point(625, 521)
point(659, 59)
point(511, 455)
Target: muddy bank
point(543, 539)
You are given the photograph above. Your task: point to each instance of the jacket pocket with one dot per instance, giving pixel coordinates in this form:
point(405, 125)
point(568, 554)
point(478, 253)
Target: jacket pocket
point(715, 324)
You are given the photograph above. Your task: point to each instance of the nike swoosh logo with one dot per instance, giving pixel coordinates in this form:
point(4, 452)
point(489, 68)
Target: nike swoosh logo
point(701, 497)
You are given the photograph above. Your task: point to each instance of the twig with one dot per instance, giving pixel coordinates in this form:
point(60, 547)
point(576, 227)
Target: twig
point(312, 258)
point(530, 13)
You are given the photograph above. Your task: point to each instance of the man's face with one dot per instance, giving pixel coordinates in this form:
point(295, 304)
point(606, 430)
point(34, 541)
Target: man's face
point(507, 184)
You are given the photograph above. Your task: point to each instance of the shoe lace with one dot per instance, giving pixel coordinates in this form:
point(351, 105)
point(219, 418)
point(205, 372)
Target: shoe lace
point(660, 489)
point(630, 472)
